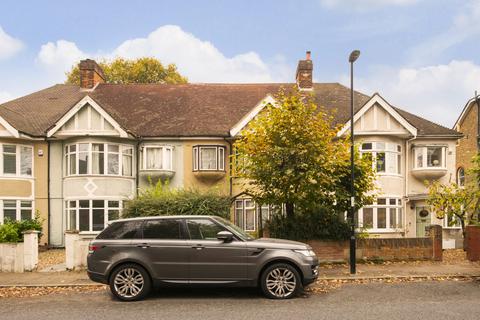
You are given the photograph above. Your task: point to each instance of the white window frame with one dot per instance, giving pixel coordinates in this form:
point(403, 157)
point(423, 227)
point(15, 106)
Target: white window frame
point(445, 221)
point(18, 208)
point(165, 157)
point(18, 164)
point(398, 205)
point(106, 208)
point(424, 151)
point(220, 152)
point(121, 148)
point(390, 148)
point(244, 208)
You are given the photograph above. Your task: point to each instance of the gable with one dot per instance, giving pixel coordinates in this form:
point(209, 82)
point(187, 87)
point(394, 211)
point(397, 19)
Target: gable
point(251, 115)
point(87, 118)
point(6, 130)
point(378, 117)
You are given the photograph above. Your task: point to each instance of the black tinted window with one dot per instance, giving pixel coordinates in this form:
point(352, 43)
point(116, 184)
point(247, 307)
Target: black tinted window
point(121, 230)
point(162, 229)
point(203, 229)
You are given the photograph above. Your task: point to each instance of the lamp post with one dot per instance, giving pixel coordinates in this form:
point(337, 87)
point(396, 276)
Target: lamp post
point(353, 57)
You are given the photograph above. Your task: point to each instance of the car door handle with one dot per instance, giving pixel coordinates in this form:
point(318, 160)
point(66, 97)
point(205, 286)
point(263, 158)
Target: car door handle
point(143, 245)
point(197, 247)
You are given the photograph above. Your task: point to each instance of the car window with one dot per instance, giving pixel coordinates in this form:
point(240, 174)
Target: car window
point(162, 229)
point(121, 230)
point(203, 229)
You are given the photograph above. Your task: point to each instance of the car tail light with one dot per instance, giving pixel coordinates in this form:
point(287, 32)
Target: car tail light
point(92, 248)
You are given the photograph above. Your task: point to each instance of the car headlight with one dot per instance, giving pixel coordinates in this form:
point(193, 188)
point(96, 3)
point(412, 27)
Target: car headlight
point(306, 252)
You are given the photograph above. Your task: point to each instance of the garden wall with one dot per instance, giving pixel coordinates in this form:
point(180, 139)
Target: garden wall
point(392, 249)
point(21, 256)
point(76, 250)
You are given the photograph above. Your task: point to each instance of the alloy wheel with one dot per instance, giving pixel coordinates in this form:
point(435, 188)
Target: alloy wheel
point(281, 282)
point(128, 282)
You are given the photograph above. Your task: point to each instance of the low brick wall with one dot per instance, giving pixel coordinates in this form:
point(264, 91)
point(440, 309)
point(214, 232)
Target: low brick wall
point(472, 242)
point(22, 256)
point(392, 249)
point(76, 249)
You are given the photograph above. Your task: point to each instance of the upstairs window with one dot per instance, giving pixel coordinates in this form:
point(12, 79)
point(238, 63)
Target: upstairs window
point(98, 159)
point(209, 158)
point(429, 157)
point(157, 158)
point(16, 160)
point(386, 157)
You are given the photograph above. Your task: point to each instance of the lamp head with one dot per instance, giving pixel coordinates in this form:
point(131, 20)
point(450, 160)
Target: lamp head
point(354, 56)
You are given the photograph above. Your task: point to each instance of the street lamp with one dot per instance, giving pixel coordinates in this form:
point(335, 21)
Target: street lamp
point(353, 57)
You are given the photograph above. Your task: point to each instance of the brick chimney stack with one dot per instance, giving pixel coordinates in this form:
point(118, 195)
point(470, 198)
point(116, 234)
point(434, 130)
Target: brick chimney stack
point(304, 76)
point(90, 74)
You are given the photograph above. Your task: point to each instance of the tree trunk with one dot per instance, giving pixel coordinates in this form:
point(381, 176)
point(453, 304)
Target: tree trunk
point(289, 207)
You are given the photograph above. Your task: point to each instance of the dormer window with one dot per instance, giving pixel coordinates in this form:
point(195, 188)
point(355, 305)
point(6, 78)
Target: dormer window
point(429, 157)
point(157, 158)
point(209, 158)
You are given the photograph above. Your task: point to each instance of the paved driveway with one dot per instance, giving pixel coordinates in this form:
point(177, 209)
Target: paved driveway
point(415, 300)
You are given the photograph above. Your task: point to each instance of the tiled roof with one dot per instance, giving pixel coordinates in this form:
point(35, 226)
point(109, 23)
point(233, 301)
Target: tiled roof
point(149, 110)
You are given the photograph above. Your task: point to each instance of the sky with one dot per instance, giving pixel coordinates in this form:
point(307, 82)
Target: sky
point(420, 55)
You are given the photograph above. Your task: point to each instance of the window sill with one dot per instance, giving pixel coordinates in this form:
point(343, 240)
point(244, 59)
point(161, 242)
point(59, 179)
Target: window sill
point(13, 177)
point(384, 230)
point(157, 173)
point(98, 176)
point(429, 173)
point(384, 174)
point(209, 174)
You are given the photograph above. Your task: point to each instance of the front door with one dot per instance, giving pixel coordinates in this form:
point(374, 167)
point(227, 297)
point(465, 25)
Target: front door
point(423, 220)
point(212, 260)
point(165, 249)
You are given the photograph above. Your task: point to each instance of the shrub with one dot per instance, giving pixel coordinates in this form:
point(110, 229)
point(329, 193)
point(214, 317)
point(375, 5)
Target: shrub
point(11, 231)
point(317, 224)
point(159, 199)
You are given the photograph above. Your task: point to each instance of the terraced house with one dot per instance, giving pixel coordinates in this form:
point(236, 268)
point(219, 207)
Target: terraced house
point(76, 153)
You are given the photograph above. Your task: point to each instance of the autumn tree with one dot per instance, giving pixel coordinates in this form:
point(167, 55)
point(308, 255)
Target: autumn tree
point(457, 203)
point(142, 70)
point(290, 154)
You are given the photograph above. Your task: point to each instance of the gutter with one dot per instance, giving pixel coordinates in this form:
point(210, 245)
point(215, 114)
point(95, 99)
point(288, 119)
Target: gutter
point(48, 193)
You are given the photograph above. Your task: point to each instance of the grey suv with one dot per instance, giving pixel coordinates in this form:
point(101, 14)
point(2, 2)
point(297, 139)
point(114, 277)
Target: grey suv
point(132, 255)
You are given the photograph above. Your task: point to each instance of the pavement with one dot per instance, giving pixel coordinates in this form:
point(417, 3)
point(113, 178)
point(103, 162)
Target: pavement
point(416, 269)
point(426, 300)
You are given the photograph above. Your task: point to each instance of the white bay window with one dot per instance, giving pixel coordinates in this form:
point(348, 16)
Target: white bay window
point(386, 215)
point(209, 158)
point(429, 157)
point(91, 215)
point(98, 159)
point(386, 157)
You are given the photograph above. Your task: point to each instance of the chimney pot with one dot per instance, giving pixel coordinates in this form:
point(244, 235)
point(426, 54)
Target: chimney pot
point(91, 74)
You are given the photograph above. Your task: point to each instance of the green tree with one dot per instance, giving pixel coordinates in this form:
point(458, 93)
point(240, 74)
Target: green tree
point(142, 70)
point(290, 154)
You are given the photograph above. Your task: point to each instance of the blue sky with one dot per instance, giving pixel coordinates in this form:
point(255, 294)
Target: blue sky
point(421, 55)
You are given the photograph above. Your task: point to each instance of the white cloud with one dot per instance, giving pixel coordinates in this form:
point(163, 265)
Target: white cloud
point(9, 46)
point(437, 93)
point(197, 59)
point(59, 57)
point(365, 4)
point(5, 96)
point(465, 25)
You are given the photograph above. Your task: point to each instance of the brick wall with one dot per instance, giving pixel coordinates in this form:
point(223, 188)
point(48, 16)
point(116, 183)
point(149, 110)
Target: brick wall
point(467, 146)
point(429, 248)
point(472, 242)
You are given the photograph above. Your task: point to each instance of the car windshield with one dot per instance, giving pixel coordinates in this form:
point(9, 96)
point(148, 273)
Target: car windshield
point(235, 229)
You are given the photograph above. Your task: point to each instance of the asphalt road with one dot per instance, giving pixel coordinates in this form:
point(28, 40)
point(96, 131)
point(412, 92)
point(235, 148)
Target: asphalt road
point(421, 300)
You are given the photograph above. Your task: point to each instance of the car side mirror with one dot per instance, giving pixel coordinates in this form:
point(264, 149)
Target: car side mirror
point(225, 236)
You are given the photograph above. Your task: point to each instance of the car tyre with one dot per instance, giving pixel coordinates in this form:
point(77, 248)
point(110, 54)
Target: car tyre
point(130, 282)
point(281, 281)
